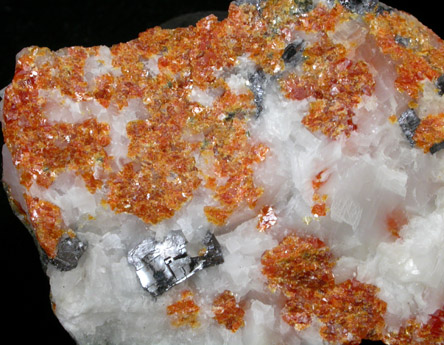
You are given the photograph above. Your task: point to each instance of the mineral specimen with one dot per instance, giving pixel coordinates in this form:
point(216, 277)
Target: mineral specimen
point(306, 136)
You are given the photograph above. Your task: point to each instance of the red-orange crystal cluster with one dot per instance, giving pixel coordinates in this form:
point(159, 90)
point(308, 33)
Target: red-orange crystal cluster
point(420, 59)
point(185, 311)
point(415, 333)
point(337, 84)
point(301, 268)
point(430, 132)
point(227, 312)
point(46, 220)
point(40, 150)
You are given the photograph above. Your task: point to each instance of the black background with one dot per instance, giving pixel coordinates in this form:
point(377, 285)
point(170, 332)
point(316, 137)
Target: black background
point(28, 318)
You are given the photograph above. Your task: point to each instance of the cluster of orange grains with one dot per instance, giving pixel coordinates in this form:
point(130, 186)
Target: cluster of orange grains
point(185, 311)
point(302, 269)
point(423, 56)
point(227, 312)
point(42, 150)
point(46, 220)
point(415, 333)
point(430, 132)
point(337, 84)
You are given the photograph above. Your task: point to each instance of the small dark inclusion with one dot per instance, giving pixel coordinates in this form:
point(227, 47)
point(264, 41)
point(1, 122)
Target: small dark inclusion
point(293, 53)
point(440, 85)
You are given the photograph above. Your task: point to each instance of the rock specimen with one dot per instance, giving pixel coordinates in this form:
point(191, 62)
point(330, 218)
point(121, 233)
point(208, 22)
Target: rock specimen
point(276, 177)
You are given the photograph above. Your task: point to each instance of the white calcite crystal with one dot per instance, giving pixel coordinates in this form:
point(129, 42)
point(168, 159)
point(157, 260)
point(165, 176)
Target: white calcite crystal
point(273, 178)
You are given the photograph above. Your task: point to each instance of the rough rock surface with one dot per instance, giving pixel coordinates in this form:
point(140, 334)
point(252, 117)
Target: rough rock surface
point(306, 135)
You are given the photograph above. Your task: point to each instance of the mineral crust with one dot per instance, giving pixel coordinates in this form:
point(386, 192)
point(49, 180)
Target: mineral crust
point(272, 178)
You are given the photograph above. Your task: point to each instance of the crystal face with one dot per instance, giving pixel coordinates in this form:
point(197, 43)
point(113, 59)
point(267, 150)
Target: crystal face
point(409, 122)
point(69, 251)
point(162, 265)
point(298, 147)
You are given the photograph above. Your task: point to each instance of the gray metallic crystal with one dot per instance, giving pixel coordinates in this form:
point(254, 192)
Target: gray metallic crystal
point(360, 6)
point(162, 265)
point(257, 82)
point(304, 6)
point(437, 147)
point(69, 251)
point(409, 122)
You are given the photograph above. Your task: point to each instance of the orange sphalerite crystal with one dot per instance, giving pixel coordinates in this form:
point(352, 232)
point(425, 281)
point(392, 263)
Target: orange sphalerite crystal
point(302, 269)
point(47, 223)
point(421, 59)
point(430, 132)
point(337, 84)
point(185, 311)
point(227, 312)
point(415, 333)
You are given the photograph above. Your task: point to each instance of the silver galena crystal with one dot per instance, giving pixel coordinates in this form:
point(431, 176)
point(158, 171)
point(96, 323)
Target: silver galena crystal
point(69, 251)
point(162, 265)
point(409, 122)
